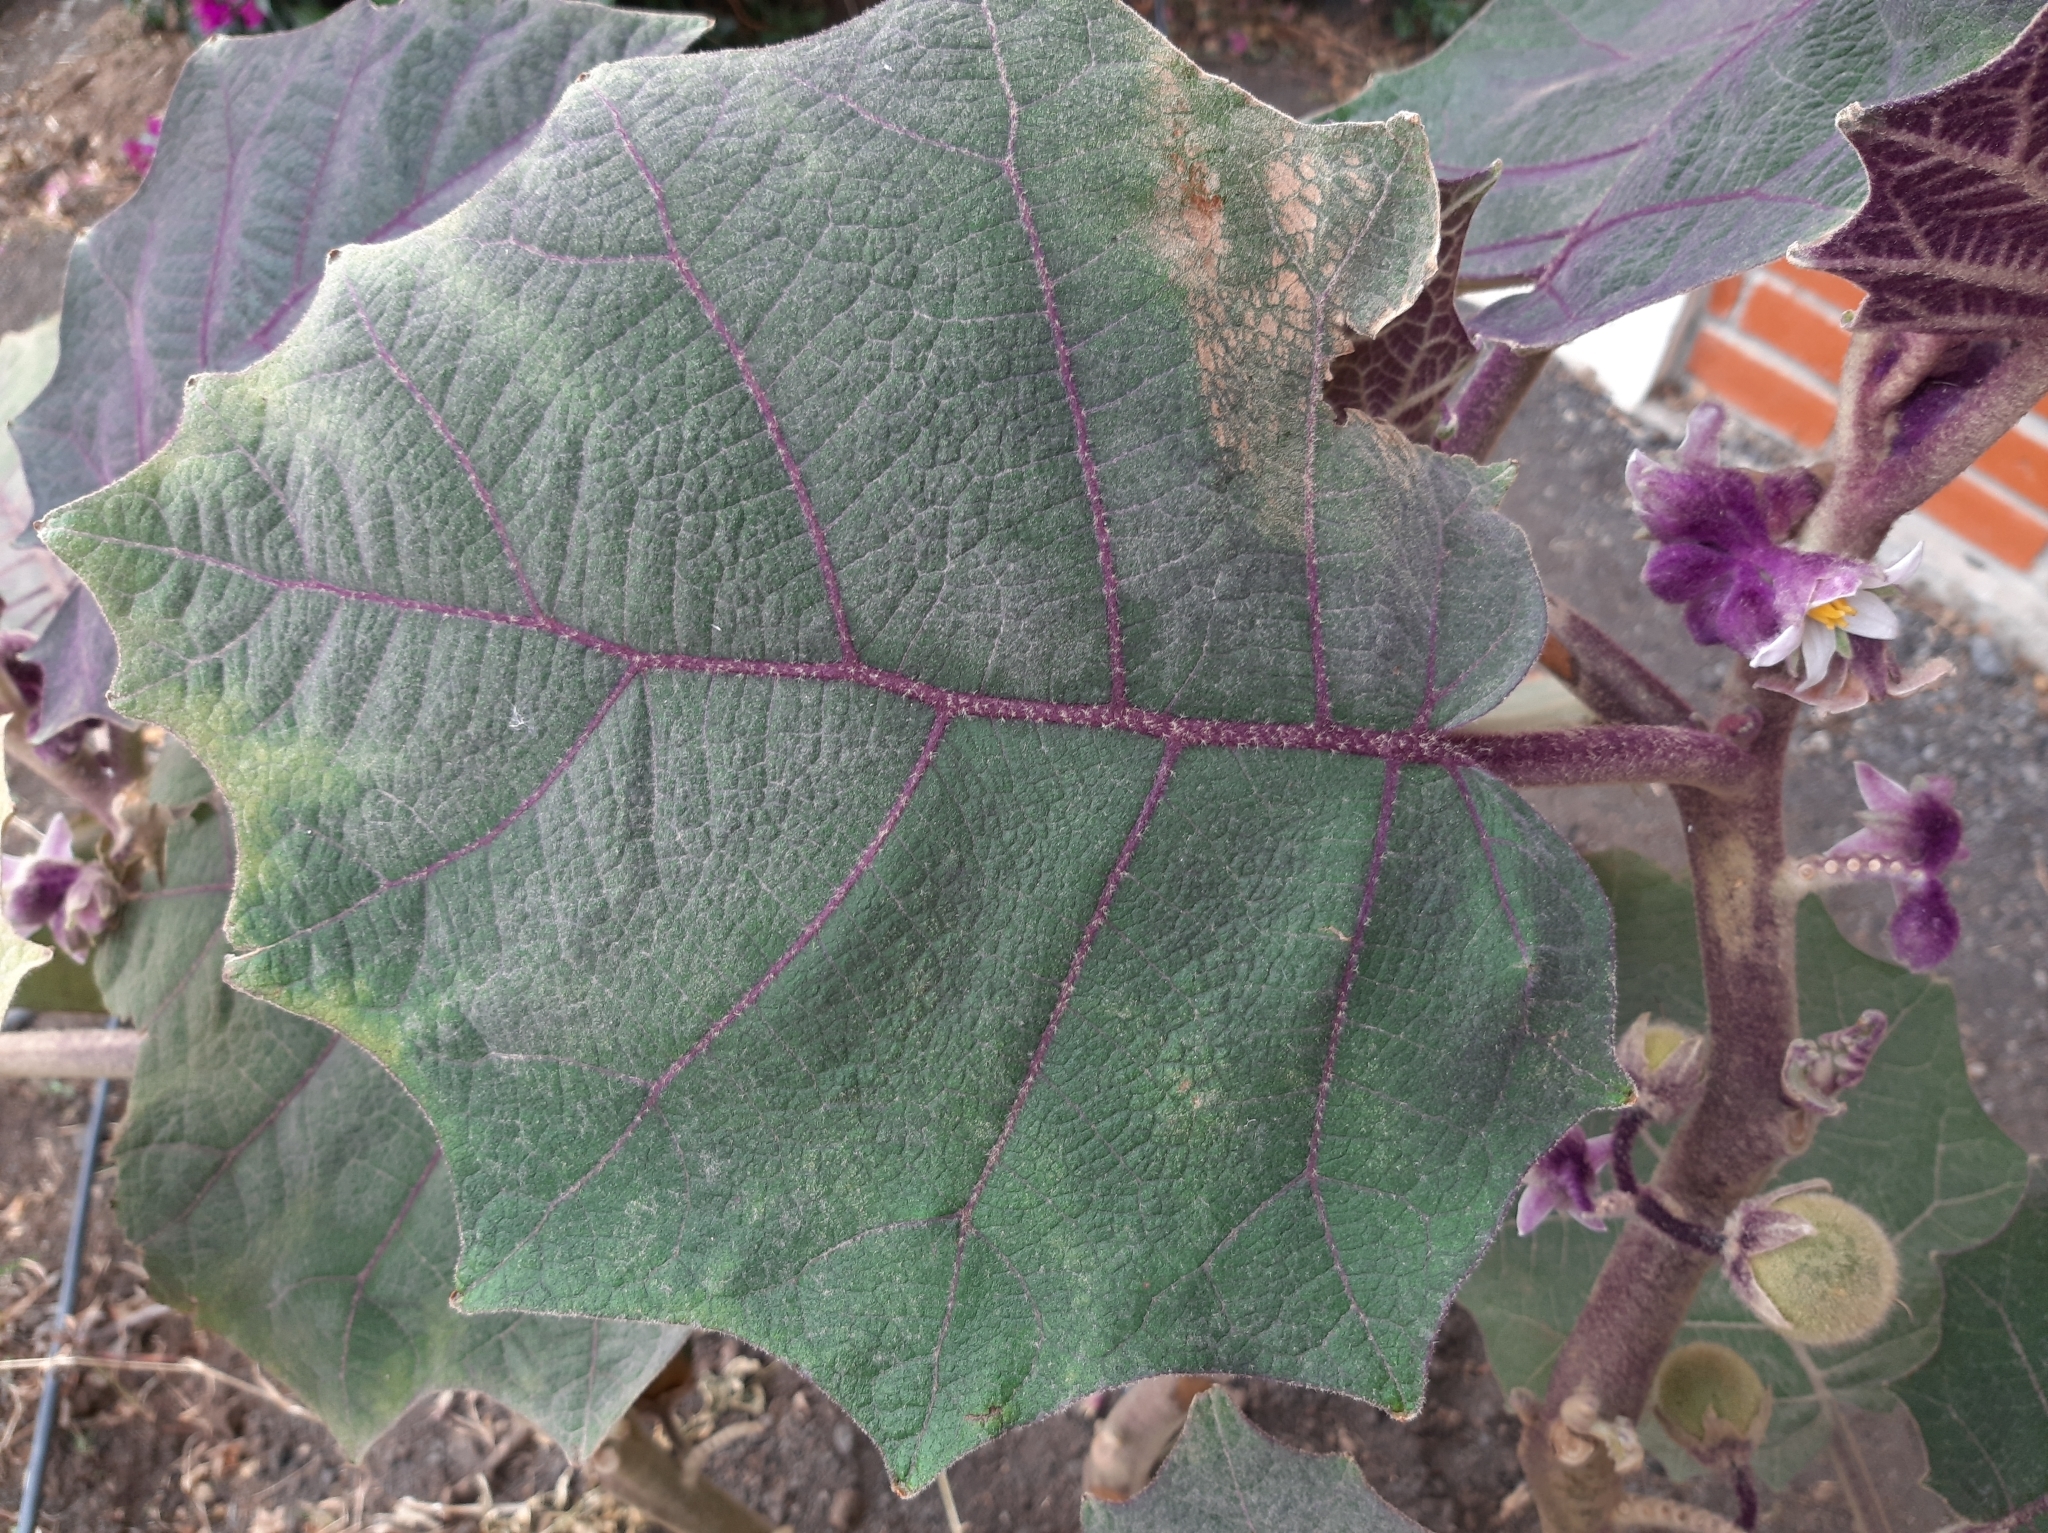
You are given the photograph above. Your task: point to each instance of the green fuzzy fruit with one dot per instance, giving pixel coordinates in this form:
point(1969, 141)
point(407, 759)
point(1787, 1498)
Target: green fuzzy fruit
point(1836, 1285)
point(1661, 1041)
point(1712, 1402)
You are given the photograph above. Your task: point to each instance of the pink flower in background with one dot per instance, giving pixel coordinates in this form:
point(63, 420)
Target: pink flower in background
point(141, 151)
point(212, 16)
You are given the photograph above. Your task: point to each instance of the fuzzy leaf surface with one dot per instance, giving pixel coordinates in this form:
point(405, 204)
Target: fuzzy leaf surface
point(1224, 1476)
point(1403, 374)
point(1914, 1150)
point(813, 673)
point(1982, 1399)
point(1954, 236)
point(292, 1198)
point(1652, 148)
point(276, 149)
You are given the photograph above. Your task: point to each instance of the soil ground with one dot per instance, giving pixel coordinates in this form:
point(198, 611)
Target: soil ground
point(141, 1448)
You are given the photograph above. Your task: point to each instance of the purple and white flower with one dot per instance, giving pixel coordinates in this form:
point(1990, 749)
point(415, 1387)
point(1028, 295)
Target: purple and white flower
point(1910, 838)
point(1565, 1178)
point(1721, 560)
point(76, 900)
point(1842, 605)
point(1718, 526)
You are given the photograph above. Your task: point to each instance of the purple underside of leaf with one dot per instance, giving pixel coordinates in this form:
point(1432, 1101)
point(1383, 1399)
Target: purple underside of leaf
point(78, 655)
point(1403, 374)
point(275, 149)
point(1954, 236)
point(1148, 435)
point(1653, 148)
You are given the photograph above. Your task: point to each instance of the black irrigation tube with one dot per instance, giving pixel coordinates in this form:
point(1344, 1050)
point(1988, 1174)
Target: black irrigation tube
point(67, 1300)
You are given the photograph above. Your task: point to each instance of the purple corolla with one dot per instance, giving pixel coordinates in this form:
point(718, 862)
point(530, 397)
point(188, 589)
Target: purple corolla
point(76, 900)
point(1910, 838)
point(1722, 562)
point(1565, 1177)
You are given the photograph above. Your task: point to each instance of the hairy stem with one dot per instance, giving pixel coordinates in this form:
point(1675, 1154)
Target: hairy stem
point(1727, 1147)
point(1691, 758)
point(91, 779)
point(1490, 398)
point(1916, 411)
point(1606, 677)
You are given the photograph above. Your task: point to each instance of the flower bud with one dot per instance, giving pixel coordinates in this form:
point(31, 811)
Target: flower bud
point(1818, 1070)
point(1813, 1267)
point(1667, 1063)
point(1712, 1403)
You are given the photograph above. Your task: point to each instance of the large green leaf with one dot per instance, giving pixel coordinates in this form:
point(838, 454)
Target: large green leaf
point(366, 126)
point(1982, 1399)
point(286, 1192)
point(1914, 1149)
point(812, 672)
point(1224, 1477)
point(1653, 147)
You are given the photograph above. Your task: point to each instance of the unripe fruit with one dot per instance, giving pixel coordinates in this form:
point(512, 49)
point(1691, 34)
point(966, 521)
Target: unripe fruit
point(1836, 1285)
point(1712, 1403)
point(1662, 1039)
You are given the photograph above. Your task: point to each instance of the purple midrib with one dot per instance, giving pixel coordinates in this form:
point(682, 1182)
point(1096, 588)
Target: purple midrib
point(362, 1280)
point(1420, 746)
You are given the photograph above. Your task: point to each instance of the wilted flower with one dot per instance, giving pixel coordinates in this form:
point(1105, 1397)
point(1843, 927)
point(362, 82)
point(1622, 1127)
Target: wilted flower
point(1910, 837)
point(1666, 1062)
point(1818, 1070)
point(1564, 1177)
point(52, 888)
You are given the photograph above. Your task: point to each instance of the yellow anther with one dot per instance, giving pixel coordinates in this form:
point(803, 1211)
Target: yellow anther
point(1832, 614)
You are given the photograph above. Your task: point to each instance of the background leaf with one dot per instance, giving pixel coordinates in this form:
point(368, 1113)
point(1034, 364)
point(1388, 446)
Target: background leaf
point(1652, 148)
point(1981, 1400)
point(32, 580)
point(275, 149)
point(1914, 1149)
point(287, 1193)
point(1950, 238)
point(1223, 1476)
point(813, 673)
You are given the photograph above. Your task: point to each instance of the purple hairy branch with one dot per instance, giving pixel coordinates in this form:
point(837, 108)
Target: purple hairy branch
point(1917, 409)
point(1692, 758)
point(1606, 677)
point(1490, 398)
point(1723, 1152)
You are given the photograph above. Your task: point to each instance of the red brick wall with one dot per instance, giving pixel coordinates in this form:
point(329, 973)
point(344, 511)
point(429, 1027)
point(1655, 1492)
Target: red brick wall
point(1770, 347)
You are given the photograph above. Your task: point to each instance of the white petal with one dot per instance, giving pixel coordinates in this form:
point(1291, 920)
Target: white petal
point(1818, 650)
point(1903, 570)
point(1872, 619)
point(57, 840)
point(1779, 647)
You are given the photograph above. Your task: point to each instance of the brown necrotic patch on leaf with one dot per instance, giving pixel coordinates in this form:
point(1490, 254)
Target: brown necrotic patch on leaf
point(1954, 237)
point(1403, 374)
